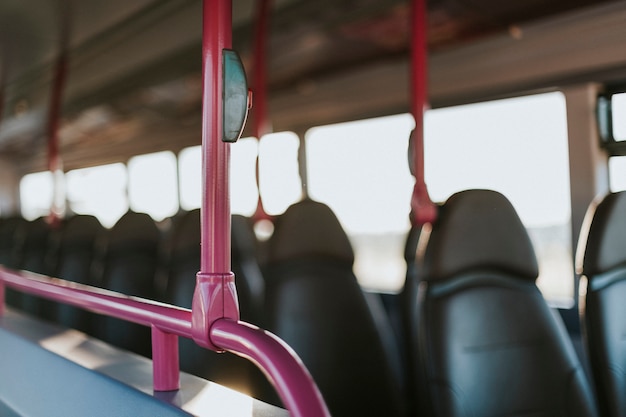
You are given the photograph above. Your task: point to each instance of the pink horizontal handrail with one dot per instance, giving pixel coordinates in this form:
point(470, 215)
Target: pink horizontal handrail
point(149, 313)
point(277, 360)
point(166, 321)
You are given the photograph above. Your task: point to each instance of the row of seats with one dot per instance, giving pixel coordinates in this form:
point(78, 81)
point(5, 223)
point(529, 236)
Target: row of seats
point(307, 294)
point(482, 340)
point(134, 257)
point(601, 259)
point(477, 338)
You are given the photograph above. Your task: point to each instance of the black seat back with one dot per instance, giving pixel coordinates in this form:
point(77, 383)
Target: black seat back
point(130, 266)
point(487, 342)
point(36, 250)
point(78, 249)
point(601, 259)
point(12, 230)
point(248, 276)
point(315, 304)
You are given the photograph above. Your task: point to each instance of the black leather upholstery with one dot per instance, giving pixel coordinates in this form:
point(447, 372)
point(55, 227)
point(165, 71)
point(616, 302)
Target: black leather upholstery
point(226, 369)
point(35, 257)
point(601, 258)
point(408, 313)
point(316, 305)
point(488, 344)
point(248, 276)
point(130, 267)
point(77, 254)
point(12, 231)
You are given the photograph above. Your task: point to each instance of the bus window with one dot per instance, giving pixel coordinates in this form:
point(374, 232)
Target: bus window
point(619, 116)
point(152, 187)
point(243, 189)
point(244, 194)
point(100, 191)
point(617, 173)
point(360, 170)
point(36, 194)
point(190, 177)
point(279, 178)
point(519, 148)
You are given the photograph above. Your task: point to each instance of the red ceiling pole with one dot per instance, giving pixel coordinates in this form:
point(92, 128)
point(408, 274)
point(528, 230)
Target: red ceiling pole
point(423, 209)
point(260, 121)
point(1, 97)
point(3, 78)
point(55, 163)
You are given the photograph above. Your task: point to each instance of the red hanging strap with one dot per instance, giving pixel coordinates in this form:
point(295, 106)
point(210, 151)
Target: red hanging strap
point(422, 208)
point(260, 121)
point(55, 163)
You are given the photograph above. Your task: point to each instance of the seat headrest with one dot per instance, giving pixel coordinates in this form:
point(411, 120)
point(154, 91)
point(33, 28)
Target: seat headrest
point(133, 230)
point(243, 240)
point(603, 236)
point(478, 230)
point(81, 229)
point(309, 229)
point(186, 238)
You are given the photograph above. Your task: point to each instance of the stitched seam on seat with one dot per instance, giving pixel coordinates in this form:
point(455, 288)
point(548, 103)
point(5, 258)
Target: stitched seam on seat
point(502, 345)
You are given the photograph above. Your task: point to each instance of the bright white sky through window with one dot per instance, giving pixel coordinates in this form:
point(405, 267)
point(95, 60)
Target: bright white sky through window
point(516, 146)
point(279, 178)
point(243, 189)
point(99, 191)
point(152, 187)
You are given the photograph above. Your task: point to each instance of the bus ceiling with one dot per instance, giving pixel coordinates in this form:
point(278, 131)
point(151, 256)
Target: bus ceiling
point(133, 67)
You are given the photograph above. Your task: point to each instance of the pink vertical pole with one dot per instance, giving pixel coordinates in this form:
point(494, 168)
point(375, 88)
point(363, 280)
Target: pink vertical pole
point(215, 295)
point(424, 211)
point(215, 158)
point(165, 360)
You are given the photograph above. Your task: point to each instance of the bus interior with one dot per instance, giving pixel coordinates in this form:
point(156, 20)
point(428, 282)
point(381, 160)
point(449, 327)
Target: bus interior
point(430, 214)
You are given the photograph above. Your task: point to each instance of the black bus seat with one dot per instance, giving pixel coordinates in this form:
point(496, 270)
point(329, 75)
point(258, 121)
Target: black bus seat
point(35, 256)
point(487, 342)
point(184, 263)
point(248, 275)
point(601, 259)
point(408, 314)
point(76, 261)
point(11, 240)
point(316, 305)
point(130, 263)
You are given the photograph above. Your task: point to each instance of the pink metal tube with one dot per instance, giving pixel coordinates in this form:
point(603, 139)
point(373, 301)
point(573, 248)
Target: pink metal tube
point(215, 295)
point(165, 360)
point(215, 200)
point(424, 211)
point(278, 361)
point(166, 321)
point(168, 318)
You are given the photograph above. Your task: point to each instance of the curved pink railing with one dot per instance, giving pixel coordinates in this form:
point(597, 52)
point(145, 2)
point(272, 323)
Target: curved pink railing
point(279, 362)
